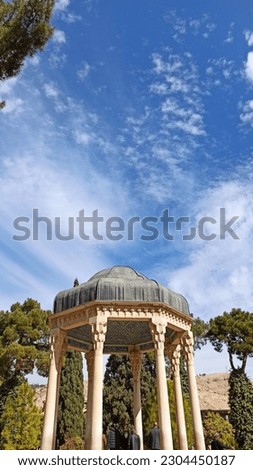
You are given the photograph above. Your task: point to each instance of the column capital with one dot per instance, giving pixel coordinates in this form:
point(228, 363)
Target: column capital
point(98, 329)
point(174, 354)
point(58, 345)
point(187, 342)
point(158, 330)
point(136, 362)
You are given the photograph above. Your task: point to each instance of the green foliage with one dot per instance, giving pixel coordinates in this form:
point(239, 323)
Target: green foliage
point(188, 417)
point(241, 406)
point(234, 330)
point(24, 338)
point(72, 443)
point(118, 396)
point(70, 427)
point(184, 377)
point(213, 423)
point(149, 414)
point(118, 392)
point(24, 30)
point(199, 329)
point(21, 420)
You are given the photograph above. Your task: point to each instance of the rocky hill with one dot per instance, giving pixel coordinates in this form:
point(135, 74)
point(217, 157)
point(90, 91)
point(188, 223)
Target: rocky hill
point(213, 392)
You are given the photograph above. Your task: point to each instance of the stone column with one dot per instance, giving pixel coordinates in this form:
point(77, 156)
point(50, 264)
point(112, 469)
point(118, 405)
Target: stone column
point(158, 330)
point(187, 343)
point(57, 348)
point(90, 365)
point(98, 327)
point(136, 361)
point(174, 355)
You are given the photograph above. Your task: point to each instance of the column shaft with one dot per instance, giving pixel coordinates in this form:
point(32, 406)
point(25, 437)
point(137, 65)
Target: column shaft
point(97, 402)
point(158, 329)
point(50, 415)
point(90, 364)
point(179, 404)
point(136, 360)
point(199, 440)
point(98, 326)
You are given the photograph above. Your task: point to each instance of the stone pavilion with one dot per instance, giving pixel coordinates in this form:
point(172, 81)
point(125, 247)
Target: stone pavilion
point(120, 311)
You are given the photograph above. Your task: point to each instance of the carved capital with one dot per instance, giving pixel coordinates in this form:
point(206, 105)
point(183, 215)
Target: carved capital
point(158, 330)
point(136, 362)
point(58, 346)
point(174, 354)
point(187, 346)
point(98, 329)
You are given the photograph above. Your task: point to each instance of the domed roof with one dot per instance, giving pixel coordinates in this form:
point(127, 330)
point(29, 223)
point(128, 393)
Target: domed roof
point(122, 284)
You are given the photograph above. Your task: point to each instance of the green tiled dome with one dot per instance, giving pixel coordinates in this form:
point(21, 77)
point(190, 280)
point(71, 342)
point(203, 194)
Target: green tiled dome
point(122, 284)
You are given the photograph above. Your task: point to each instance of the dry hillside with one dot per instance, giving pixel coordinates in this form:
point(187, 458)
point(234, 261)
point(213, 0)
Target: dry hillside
point(213, 392)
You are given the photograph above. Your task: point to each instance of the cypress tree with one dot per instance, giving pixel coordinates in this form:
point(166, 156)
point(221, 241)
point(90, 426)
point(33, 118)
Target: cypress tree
point(118, 393)
point(70, 424)
point(241, 406)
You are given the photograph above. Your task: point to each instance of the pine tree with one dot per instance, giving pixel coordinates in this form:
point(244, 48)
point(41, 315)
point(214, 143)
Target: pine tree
point(24, 338)
point(241, 408)
point(24, 30)
point(70, 425)
point(22, 420)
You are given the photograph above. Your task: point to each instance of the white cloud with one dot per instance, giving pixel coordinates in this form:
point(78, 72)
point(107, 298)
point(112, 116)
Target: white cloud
point(62, 4)
point(230, 37)
point(82, 137)
point(249, 67)
point(246, 115)
point(56, 60)
point(50, 90)
point(7, 86)
point(13, 105)
point(35, 60)
point(84, 71)
point(249, 37)
point(217, 274)
point(59, 36)
point(179, 90)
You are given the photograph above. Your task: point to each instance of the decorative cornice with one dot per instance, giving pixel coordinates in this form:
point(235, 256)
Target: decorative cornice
point(78, 316)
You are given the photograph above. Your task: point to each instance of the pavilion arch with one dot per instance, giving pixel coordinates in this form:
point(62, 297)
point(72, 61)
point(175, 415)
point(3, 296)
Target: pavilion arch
point(119, 310)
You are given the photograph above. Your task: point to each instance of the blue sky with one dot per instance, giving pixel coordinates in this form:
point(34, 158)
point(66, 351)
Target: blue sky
point(136, 109)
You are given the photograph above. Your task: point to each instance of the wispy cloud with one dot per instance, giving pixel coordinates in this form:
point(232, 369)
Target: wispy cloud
point(249, 67)
point(59, 36)
point(230, 35)
point(84, 71)
point(217, 273)
point(249, 37)
point(197, 26)
point(61, 5)
point(246, 115)
point(180, 93)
